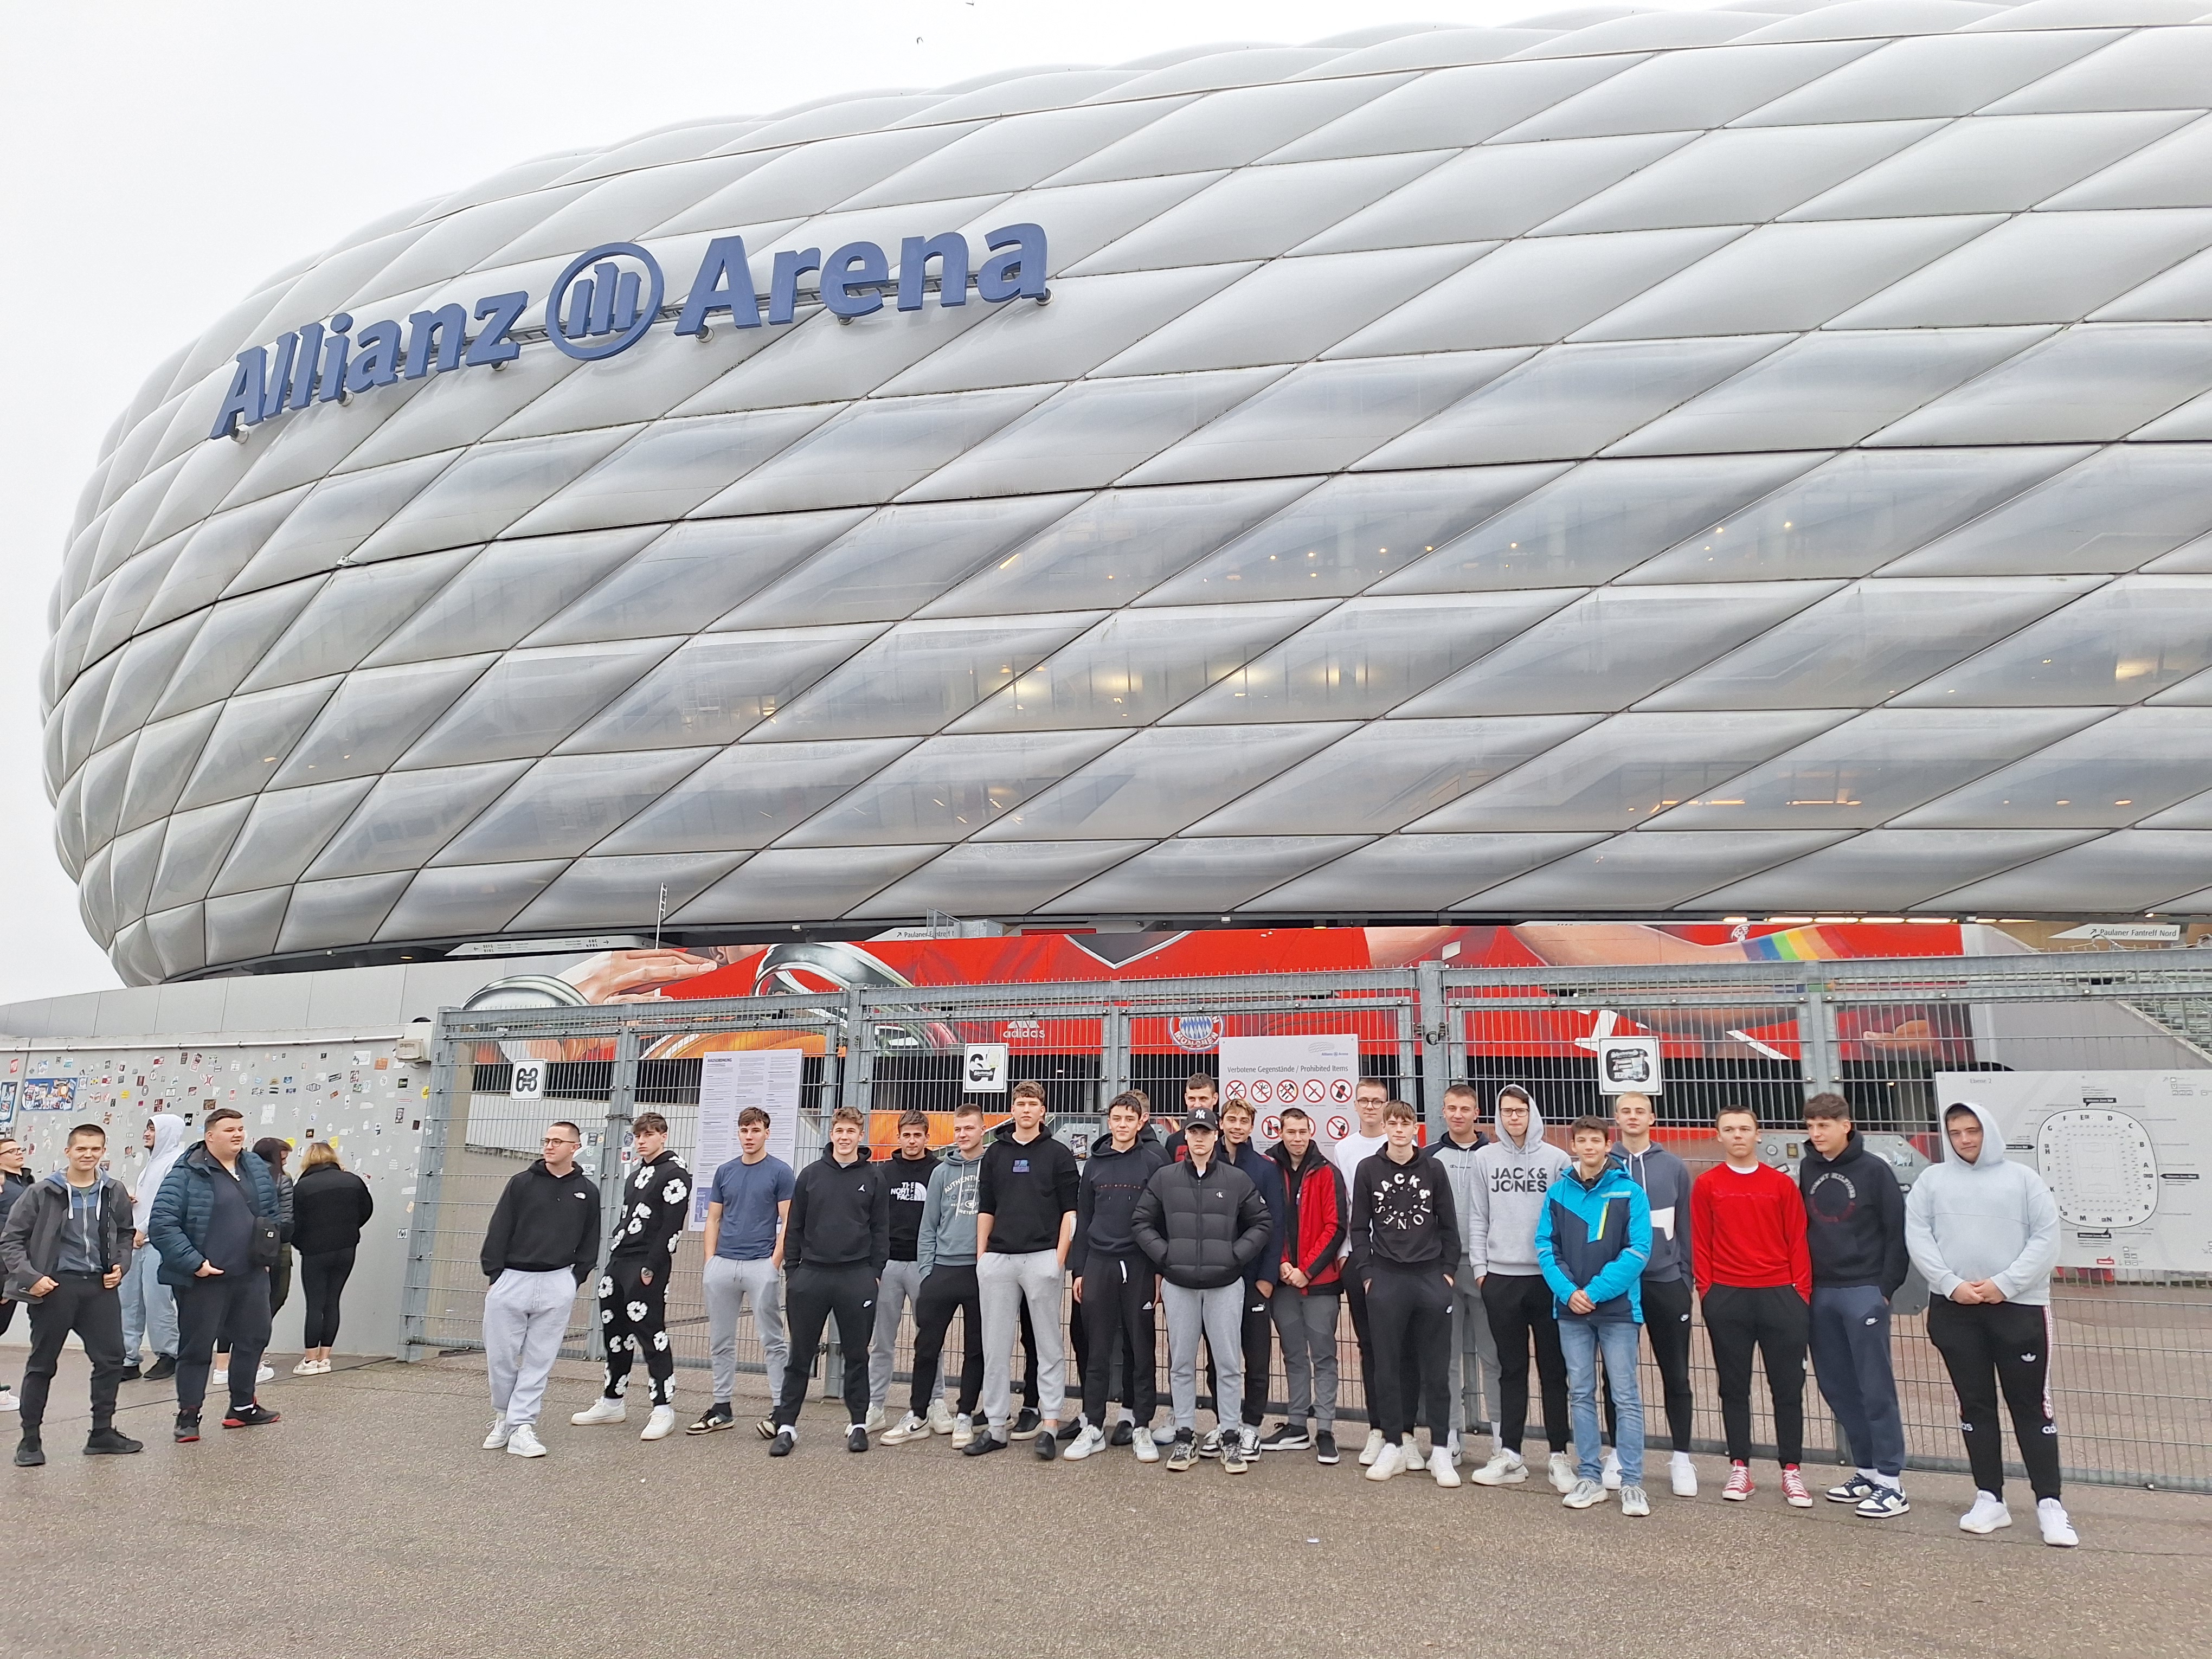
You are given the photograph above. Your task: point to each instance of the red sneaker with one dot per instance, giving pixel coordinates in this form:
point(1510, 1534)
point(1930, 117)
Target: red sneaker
point(1793, 1489)
point(1739, 1485)
point(249, 1417)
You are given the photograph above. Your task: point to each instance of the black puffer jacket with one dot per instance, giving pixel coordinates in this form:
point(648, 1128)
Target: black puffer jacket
point(1200, 1232)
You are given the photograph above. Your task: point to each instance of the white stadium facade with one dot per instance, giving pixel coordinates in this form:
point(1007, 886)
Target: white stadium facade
point(1627, 464)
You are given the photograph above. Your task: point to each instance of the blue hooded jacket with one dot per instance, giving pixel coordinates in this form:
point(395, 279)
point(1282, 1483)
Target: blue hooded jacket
point(1595, 1237)
point(184, 1209)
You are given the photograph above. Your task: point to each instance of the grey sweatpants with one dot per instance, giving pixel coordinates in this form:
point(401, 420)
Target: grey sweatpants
point(525, 1317)
point(1307, 1326)
point(1474, 1358)
point(900, 1285)
point(1002, 1282)
point(1220, 1314)
point(729, 1285)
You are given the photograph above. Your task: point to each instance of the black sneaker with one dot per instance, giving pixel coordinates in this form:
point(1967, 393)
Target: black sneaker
point(110, 1443)
point(1124, 1432)
point(856, 1438)
point(188, 1427)
point(716, 1416)
point(250, 1415)
point(784, 1441)
point(985, 1441)
point(1025, 1424)
point(29, 1454)
point(163, 1368)
point(1210, 1445)
point(1291, 1436)
point(1048, 1447)
point(131, 1373)
point(1184, 1452)
point(1324, 1447)
point(1069, 1430)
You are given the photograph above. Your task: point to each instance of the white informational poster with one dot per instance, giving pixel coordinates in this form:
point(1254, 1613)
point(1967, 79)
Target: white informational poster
point(985, 1072)
point(1319, 1073)
point(1628, 1065)
point(528, 1082)
point(2126, 1154)
point(766, 1077)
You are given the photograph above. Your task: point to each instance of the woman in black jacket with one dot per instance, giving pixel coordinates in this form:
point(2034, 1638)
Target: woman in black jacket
point(330, 1206)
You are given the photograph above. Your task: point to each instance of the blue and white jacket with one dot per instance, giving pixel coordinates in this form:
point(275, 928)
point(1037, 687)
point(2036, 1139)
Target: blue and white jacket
point(1595, 1237)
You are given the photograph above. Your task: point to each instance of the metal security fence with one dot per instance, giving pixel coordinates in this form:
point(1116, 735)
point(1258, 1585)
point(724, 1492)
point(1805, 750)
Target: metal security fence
point(2132, 1370)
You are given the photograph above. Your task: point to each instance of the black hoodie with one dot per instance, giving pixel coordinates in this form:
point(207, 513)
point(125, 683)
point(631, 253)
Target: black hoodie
point(1107, 1199)
point(841, 1215)
point(1403, 1214)
point(907, 1180)
point(543, 1222)
point(1854, 1219)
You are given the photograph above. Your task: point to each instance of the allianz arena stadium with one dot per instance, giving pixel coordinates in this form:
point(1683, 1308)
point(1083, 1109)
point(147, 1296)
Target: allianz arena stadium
point(1626, 463)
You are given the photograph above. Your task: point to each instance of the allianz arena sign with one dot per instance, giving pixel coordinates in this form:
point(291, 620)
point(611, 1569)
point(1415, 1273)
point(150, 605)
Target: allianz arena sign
point(607, 299)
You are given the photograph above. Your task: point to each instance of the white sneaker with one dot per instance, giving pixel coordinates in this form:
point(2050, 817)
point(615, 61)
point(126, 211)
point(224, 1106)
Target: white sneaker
point(1452, 1446)
point(496, 1440)
point(601, 1410)
point(1386, 1463)
point(908, 1427)
point(1584, 1494)
point(1684, 1475)
point(660, 1424)
point(218, 1377)
point(1634, 1503)
point(1142, 1443)
point(963, 1430)
point(940, 1416)
point(306, 1368)
point(1988, 1514)
point(1440, 1465)
point(1374, 1449)
point(7, 1401)
point(1564, 1478)
point(2057, 1530)
point(1409, 1456)
point(1609, 1476)
point(1505, 1468)
point(266, 1374)
point(523, 1441)
point(1093, 1439)
point(875, 1419)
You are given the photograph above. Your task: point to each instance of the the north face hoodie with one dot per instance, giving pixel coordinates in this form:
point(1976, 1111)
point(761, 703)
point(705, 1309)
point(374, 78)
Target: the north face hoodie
point(1512, 1178)
point(1992, 1219)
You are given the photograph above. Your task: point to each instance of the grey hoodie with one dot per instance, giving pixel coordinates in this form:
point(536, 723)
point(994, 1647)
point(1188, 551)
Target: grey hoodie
point(1510, 1182)
point(948, 1214)
point(168, 1148)
point(1992, 1219)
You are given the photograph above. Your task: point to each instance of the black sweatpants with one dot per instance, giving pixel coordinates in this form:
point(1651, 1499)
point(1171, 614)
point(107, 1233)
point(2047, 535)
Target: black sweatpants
point(1117, 1315)
point(810, 1296)
point(234, 1305)
point(1520, 1310)
point(1667, 1326)
point(1409, 1312)
point(947, 1290)
point(1989, 1347)
point(1774, 1320)
point(78, 1303)
point(323, 1280)
point(634, 1320)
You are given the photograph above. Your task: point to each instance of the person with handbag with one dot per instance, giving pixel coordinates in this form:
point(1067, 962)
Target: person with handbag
point(216, 1223)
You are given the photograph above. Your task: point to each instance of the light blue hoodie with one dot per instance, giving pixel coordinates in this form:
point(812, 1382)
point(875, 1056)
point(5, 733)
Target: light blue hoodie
point(1992, 1219)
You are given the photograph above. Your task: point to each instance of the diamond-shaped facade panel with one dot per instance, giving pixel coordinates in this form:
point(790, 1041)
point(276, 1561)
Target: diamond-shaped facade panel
point(1635, 463)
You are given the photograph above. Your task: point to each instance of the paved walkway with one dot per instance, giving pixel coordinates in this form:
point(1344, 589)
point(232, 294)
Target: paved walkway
point(368, 1524)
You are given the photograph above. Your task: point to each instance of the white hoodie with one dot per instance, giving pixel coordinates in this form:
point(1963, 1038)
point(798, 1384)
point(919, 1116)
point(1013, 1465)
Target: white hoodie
point(168, 1148)
point(1991, 1218)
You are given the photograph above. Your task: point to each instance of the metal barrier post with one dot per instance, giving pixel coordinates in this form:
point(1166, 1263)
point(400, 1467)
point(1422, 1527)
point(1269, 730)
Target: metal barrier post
point(856, 1056)
point(614, 1131)
point(422, 1216)
point(1436, 1059)
point(1113, 1073)
point(1816, 1038)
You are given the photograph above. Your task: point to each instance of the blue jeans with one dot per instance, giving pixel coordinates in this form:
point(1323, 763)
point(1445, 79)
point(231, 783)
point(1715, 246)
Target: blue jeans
point(150, 1307)
point(1582, 1340)
point(1850, 1358)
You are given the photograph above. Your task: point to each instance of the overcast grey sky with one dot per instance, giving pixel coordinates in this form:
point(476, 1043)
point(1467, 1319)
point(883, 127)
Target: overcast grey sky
point(161, 159)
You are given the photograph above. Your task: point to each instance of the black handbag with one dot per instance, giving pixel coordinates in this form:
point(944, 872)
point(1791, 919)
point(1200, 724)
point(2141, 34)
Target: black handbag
point(264, 1244)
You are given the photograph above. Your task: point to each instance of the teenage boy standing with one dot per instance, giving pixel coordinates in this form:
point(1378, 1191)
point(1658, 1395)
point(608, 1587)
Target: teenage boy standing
point(1259, 1327)
point(1984, 1231)
point(1592, 1241)
point(633, 1288)
point(906, 1174)
point(945, 1253)
point(1114, 1280)
point(745, 1215)
point(64, 1249)
point(1755, 1278)
point(1308, 1286)
point(1404, 1248)
point(1201, 1223)
point(1025, 1204)
point(1665, 1296)
point(1855, 1232)
point(1512, 1175)
point(833, 1250)
point(1474, 1350)
point(1367, 1139)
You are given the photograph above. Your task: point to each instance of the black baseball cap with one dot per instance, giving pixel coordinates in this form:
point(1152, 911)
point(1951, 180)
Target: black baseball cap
point(1204, 1118)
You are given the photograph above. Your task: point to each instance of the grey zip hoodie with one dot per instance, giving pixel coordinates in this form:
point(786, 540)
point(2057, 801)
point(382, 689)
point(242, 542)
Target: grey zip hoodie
point(948, 1214)
point(1457, 1162)
point(1510, 1180)
point(1992, 1219)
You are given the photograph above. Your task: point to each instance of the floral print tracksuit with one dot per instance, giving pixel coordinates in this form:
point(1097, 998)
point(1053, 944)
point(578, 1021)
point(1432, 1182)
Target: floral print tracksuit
point(634, 1314)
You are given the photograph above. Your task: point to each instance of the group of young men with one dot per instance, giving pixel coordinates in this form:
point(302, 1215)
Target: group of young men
point(1457, 1261)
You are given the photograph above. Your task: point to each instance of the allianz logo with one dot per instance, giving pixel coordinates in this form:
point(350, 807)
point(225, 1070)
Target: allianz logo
point(609, 298)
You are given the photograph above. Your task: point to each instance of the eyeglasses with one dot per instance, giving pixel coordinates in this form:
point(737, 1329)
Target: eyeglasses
point(560, 1141)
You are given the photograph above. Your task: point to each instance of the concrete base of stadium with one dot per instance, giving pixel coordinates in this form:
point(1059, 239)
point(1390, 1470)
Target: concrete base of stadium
point(368, 1524)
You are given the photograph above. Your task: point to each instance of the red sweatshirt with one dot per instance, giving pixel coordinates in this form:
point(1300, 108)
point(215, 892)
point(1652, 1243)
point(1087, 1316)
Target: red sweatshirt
point(1748, 1230)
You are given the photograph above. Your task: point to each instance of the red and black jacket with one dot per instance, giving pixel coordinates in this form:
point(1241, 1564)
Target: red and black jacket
point(1314, 1227)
